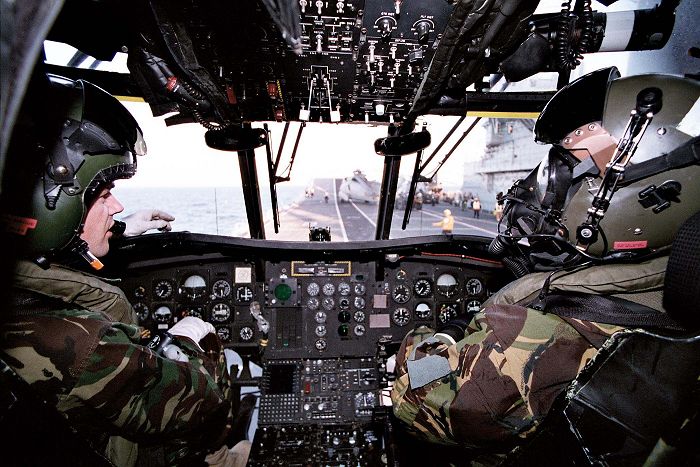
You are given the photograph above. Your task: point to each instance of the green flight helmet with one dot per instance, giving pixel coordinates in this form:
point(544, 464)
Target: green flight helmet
point(96, 142)
point(660, 187)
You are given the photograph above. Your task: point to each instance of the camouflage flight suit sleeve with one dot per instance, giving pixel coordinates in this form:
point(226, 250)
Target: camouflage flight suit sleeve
point(498, 382)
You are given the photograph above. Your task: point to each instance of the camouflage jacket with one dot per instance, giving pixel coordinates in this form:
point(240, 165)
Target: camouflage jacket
point(498, 382)
point(96, 373)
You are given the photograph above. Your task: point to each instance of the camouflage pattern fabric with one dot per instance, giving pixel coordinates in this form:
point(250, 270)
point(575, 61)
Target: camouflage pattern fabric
point(503, 376)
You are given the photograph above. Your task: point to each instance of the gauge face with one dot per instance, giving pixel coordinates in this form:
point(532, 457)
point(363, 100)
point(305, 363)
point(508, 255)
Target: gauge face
point(320, 316)
point(246, 333)
point(321, 330)
point(359, 330)
point(220, 312)
point(344, 288)
point(344, 303)
point(474, 286)
point(473, 306)
point(328, 303)
point(423, 288)
point(313, 289)
point(360, 289)
point(193, 287)
point(163, 289)
point(140, 292)
point(221, 289)
point(328, 289)
point(447, 311)
point(401, 316)
point(283, 292)
point(423, 311)
point(359, 316)
point(401, 293)
point(195, 311)
point(313, 303)
point(163, 314)
point(401, 275)
point(359, 303)
point(141, 311)
point(320, 344)
point(447, 285)
point(344, 316)
point(224, 334)
point(244, 294)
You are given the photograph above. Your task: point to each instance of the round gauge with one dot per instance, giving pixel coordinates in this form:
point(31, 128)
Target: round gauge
point(344, 288)
point(474, 286)
point(447, 285)
point(343, 330)
point(140, 291)
point(320, 316)
point(220, 312)
point(344, 303)
point(246, 333)
point(193, 287)
point(359, 316)
point(344, 316)
point(359, 303)
point(141, 311)
point(401, 275)
point(223, 333)
point(320, 345)
point(359, 330)
point(195, 311)
point(221, 289)
point(313, 303)
point(313, 289)
point(401, 293)
point(328, 303)
point(163, 289)
point(321, 330)
point(283, 292)
point(162, 314)
point(244, 294)
point(423, 311)
point(328, 289)
point(447, 311)
point(473, 306)
point(401, 316)
point(422, 288)
point(360, 289)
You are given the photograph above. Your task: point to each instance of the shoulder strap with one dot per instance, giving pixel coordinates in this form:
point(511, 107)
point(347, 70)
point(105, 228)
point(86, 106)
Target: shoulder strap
point(606, 309)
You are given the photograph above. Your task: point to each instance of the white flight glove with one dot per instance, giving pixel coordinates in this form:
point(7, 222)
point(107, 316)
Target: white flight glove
point(192, 327)
point(146, 219)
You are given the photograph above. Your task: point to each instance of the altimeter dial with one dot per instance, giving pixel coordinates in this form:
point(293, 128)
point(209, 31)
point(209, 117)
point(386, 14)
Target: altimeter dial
point(401, 316)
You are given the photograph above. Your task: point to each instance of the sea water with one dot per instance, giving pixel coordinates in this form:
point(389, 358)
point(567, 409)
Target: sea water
point(208, 210)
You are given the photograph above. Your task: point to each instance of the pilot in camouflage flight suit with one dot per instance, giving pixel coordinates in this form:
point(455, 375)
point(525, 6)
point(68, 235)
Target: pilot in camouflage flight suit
point(73, 337)
point(490, 382)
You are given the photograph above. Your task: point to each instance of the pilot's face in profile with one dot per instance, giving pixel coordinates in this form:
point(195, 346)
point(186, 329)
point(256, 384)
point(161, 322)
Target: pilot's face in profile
point(99, 220)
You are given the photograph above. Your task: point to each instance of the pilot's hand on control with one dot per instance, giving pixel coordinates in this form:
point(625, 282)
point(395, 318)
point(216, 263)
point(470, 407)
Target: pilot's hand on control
point(193, 328)
point(147, 219)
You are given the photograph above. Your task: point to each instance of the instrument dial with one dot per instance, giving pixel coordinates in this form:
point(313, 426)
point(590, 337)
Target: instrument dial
point(360, 289)
point(401, 275)
point(313, 303)
point(313, 289)
point(344, 316)
point(401, 293)
point(141, 311)
point(224, 334)
point(221, 289)
point(474, 286)
point(193, 287)
point(140, 291)
point(328, 289)
point(447, 311)
point(246, 333)
point(321, 330)
point(328, 303)
point(359, 330)
point(220, 312)
point(344, 303)
point(447, 285)
point(195, 311)
point(320, 316)
point(422, 288)
point(163, 314)
point(359, 303)
point(401, 316)
point(320, 345)
point(163, 289)
point(244, 294)
point(344, 288)
point(473, 306)
point(359, 316)
point(423, 311)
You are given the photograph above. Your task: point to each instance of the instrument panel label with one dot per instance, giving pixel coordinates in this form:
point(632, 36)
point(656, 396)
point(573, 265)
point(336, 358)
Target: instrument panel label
point(337, 269)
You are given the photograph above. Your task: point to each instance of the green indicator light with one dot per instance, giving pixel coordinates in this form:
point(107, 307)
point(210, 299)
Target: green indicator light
point(283, 292)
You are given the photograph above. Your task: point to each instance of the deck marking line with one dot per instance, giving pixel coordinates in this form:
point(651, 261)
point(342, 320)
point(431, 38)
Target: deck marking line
point(337, 211)
point(374, 224)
